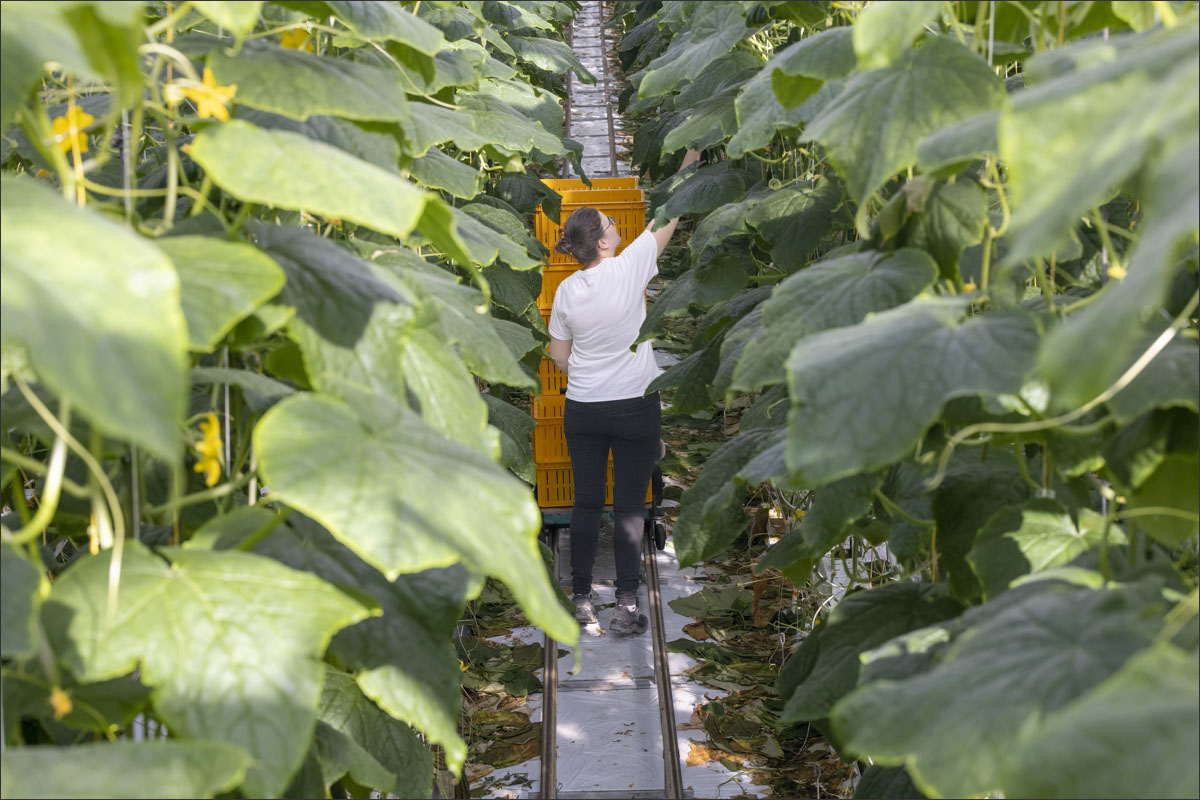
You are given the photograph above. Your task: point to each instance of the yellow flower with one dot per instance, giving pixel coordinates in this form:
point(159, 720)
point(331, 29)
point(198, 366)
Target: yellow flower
point(969, 286)
point(296, 40)
point(209, 98)
point(60, 702)
point(1116, 272)
point(42, 173)
point(68, 129)
point(209, 450)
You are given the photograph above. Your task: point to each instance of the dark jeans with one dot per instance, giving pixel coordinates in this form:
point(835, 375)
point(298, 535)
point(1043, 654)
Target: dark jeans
point(632, 429)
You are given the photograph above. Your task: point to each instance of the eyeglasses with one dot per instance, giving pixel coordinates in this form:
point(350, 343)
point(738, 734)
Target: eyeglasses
point(612, 224)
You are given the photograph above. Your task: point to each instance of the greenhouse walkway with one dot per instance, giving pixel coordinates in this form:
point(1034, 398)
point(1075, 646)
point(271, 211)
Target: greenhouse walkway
point(609, 731)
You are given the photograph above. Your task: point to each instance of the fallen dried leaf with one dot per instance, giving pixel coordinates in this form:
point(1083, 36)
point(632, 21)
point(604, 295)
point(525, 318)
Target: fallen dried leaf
point(700, 753)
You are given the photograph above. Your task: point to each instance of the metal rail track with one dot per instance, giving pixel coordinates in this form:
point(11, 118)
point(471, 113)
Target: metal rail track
point(672, 774)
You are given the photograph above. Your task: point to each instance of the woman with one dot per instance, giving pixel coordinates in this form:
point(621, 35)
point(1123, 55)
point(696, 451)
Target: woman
point(594, 321)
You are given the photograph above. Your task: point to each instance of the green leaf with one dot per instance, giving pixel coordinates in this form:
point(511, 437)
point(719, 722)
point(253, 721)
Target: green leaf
point(97, 331)
point(268, 167)
point(376, 145)
point(476, 128)
point(834, 509)
point(525, 193)
point(719, 226)
point(692, 379)
point(534, 103)
point(1119, 111)
point(716, 281)
point(953, 219)
point(711, 514)
point(760, 113)
point(239, 18)
point(793, 221)
point(549, 55)
point(146, 769)
point(220, 283)
point(1017, 663)
point(1174, 486)
point(29, 38)
point(339, 758)
point(223, 630)
point(383, 740)
point(383, 22)
point(349, 324)
point(261, 392)
point(436, 170)
point(1168, 381)
point(1171, 207)
point(860, 622)
point(1031, 538)
point(871, 134)
point(443, 391)
point(477, 226)
point(235, 530)
point(830, 294)
point(959, 143)
point(885, 782)
point(714, 29)
point(1139, 16)
point(96, 706)
point(20, 586)
point(1134, 735)
point(386, 491)
point(299, 85)
point(972, 491)
point(475, 334)
point(698, 192)
point(110, 35)
point(862, 396)
point(516, 432)
point(798, 70)
point(402, 660)
point(708, 123)
point(885, 30)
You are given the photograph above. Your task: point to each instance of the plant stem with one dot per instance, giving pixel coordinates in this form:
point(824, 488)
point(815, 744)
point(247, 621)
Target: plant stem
point(50, 493)
point(93, 466)
point(897, 511)
point(1120, 383)
point(205, 495)
point(33, 465)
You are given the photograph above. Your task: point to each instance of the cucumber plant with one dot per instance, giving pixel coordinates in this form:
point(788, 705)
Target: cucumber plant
point(268, 287)
point(949, 251)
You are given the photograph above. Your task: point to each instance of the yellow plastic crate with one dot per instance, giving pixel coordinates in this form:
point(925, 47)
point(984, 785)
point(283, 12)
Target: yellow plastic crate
point(548, 406)
point(552, 378)
point(569, 184)
point(556, 489)
point(552, 278)
point(627, 206)
point(549, 442)
point(621, 199)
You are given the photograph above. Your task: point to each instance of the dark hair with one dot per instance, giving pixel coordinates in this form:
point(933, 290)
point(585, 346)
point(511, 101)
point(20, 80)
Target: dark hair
point(581, 235)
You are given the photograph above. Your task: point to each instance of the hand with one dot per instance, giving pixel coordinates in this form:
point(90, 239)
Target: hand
point(689, 158)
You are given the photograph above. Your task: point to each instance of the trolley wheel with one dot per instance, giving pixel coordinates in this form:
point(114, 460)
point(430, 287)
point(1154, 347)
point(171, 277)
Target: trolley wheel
point(660, 535)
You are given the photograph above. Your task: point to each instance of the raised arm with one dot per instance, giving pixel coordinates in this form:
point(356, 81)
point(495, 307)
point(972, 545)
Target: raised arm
point(663, 234)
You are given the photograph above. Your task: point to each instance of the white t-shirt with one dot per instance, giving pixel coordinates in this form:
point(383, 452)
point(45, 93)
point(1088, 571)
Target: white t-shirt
point(601, 310)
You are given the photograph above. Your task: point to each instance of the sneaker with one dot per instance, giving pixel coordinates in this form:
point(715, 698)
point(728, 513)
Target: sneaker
point(626, 620)
point(585, 611)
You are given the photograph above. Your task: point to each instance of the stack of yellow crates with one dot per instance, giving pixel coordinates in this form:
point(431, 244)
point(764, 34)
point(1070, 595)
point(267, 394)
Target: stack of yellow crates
point(621, 199)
